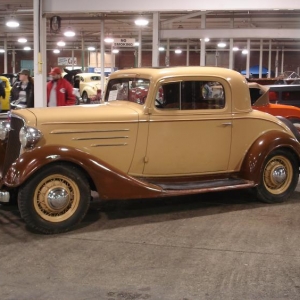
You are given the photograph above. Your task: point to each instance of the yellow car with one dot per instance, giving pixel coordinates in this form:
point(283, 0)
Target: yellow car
point(6, 84)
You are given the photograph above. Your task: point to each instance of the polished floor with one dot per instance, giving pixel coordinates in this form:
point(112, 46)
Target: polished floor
point(210, 246)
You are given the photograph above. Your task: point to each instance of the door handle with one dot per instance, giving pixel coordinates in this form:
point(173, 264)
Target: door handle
point(227, 124)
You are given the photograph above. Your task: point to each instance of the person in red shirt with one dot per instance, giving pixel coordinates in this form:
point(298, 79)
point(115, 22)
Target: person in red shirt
point(59, 90)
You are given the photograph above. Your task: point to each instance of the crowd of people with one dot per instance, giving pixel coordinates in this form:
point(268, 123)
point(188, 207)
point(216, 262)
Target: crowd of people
point(59, 90)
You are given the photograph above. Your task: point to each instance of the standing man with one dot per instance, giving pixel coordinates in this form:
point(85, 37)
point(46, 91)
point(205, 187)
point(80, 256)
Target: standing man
point(59, 90)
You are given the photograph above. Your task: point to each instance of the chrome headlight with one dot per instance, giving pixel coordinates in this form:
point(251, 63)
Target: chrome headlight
point(4, 130)
point(29, 136)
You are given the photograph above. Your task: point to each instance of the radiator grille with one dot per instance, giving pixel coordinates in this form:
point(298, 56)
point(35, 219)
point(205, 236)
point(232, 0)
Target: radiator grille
point(13, 143)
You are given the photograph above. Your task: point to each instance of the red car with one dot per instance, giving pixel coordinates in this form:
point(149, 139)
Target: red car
point(260, 101)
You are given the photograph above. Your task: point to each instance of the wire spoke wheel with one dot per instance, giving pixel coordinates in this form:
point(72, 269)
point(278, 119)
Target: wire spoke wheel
point(56, 198)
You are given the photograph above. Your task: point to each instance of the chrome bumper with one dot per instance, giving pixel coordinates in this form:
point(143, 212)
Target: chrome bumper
point(4, 197)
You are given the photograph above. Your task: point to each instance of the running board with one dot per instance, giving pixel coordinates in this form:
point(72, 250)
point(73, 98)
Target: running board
point(195, 187)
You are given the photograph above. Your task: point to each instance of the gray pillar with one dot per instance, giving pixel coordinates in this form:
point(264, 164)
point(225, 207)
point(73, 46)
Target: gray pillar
point(140, 49)
point(270, 58)
point(167, 58)
point(260, 59)
point(102, 63)
point(230, 54)
point(155, 41)
point(276, 63)
point(5, 55)
point(188, 53)
point(82, 53)
point(202, 42)
point(248, 59)
point(282, 60)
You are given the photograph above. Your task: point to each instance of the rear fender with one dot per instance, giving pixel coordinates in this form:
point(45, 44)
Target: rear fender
point(261, 148)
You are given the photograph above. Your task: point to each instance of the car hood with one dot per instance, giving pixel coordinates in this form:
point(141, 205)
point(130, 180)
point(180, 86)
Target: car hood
point(107, 112)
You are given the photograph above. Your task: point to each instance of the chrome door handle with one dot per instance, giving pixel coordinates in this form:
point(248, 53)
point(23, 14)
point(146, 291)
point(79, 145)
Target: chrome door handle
point(227, 124)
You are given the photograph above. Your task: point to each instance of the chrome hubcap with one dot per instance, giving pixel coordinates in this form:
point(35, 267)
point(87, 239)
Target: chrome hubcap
point(58, 198)
point(279, 175)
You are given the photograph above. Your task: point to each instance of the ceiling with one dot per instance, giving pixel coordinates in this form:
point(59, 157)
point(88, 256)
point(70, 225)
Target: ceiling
point(87, 25)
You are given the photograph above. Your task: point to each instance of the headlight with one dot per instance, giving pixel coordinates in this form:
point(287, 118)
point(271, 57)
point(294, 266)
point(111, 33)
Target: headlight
point(29, 136)
point(4, 130)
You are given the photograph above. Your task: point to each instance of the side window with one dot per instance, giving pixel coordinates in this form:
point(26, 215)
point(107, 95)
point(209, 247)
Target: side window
point(190, 95)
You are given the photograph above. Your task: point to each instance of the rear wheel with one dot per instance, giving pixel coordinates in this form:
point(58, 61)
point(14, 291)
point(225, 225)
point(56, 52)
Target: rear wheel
point(55, 199)
point(279, 177)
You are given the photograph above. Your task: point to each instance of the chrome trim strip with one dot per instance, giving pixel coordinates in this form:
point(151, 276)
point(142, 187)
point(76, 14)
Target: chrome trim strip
point(100, 138)
point(60, 131)
point(103, 145)
point(91, 122)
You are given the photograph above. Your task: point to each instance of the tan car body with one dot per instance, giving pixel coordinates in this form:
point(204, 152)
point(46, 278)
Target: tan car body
point(129, 150)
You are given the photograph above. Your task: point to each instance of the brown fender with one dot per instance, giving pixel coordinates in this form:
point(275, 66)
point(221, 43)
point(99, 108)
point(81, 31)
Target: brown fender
point(261, 148)
point(110, 182)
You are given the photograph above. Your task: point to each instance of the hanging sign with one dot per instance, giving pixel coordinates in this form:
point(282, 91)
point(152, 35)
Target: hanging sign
point(123, 42)
point(66, 61)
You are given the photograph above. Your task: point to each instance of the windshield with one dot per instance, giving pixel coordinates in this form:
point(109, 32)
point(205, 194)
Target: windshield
point(128, 89)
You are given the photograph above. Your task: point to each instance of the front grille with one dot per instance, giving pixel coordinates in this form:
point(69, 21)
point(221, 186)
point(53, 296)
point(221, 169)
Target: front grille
point(13, 143)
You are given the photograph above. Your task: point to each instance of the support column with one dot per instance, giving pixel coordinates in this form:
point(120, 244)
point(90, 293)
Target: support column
point(5, 55)
point(140, 49)
point(102, 54)
point(282, 61)
point(39, 53)
point(270, 58)
point(260, 59)
point(155, 41)
point(276, 62)
point(167, 58)
point(248, 59)
point(230, 54)
point(188, 53)
point(202, 42)
point(82, 53)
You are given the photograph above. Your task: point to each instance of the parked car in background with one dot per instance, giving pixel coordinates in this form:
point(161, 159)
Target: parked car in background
point(89, 85)
point(177, 140)
point(5, 106)
point(260, 101)
point(288, 94)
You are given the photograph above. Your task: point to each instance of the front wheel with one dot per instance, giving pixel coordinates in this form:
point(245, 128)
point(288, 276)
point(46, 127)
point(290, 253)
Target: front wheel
point(85, 98)
point(55, 199)
point(279, 177)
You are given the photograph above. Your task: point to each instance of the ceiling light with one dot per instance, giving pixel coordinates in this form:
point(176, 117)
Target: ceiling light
point(12, 23)
point(61, 44)
point(27, 48)
point(235, 49)
point(245, 51)
point(22, 40)
point(136, 44)
point(141, 22)
point(206, 40)
point(115, 51)
point(178, 51)
point(56, 51)
point(2, 50)
point(108, 39)
point(69, 32)
point(91, 48)
point(221, 45)
point(161, 48)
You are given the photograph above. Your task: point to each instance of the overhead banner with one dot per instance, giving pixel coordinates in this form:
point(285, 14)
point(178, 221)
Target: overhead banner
point(123, 42)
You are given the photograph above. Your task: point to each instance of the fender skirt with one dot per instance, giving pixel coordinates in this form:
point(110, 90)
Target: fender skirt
point(110, 182)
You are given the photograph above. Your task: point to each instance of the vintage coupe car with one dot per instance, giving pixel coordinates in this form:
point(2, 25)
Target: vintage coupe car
point(5, 101)
point(177, 141)
point(89, 85)
point(260, 100)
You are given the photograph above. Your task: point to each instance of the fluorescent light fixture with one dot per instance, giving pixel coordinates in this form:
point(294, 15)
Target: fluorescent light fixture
point(235, 49)
point(161, 49)
point(178, 51)
point(221, 45)
point(27, 48)
point(141, 22)
point(91, 48)
point(115, 51)
point(69, 32)
point(2, 50)
point(245, 51)
point(108, 39)
point(206, 40)
point(61, 44)
point(22, 40)
point(12, 23)
point(56, 51)
point(136, 44)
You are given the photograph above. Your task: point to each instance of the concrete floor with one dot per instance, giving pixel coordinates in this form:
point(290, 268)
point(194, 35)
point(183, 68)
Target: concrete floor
point(209, 246)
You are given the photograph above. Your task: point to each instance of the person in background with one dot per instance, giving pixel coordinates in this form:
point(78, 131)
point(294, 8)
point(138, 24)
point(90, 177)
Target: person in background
point(22, 92)
point(2, 89)
point(59, 90)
